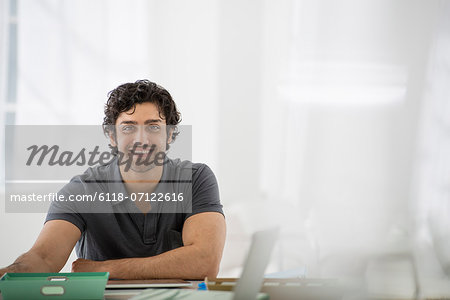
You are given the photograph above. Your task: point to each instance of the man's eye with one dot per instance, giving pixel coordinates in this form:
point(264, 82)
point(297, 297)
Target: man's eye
point(154, 128)
point(128, 128)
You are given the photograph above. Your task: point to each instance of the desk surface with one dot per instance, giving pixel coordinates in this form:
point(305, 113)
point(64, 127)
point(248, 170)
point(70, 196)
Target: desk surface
point(123, 294)
point(278, 289)
point(282, 289)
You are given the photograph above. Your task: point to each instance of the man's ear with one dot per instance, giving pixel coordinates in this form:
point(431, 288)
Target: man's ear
point(170, 134)
point(112, 138)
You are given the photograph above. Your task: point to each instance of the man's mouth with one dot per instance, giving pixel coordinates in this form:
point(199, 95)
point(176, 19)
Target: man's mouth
point(135, 151)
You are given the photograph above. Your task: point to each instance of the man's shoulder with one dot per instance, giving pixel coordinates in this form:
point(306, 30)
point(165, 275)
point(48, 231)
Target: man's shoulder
point(194, 169)
point(95, 177)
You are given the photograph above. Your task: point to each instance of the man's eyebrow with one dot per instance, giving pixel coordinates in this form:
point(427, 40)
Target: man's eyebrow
point(128, 122)
point(146, 122)
point(153, 121)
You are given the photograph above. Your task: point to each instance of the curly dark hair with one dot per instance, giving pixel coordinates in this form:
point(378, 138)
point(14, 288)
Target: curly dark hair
point(126, 96)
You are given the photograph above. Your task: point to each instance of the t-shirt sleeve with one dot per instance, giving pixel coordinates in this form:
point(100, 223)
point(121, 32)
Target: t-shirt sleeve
point(205, 192)
point(66, 210)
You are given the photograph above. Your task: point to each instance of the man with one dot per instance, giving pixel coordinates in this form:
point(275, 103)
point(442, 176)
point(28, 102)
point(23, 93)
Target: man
point(134, 238)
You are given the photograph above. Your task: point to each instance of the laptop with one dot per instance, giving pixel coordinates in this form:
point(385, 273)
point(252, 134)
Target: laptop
point(248, 285)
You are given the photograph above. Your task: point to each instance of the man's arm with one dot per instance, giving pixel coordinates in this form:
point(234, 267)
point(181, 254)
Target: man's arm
point(50, 251)
point(203, 239)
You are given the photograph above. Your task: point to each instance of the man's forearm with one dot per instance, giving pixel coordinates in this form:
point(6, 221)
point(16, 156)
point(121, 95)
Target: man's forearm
point(28, 262)
point(188, 262)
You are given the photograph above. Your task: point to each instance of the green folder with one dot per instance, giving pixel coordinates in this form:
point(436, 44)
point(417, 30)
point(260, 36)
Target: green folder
point(88, 285)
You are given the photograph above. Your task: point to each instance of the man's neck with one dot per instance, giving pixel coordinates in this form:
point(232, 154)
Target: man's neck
point(141, 182)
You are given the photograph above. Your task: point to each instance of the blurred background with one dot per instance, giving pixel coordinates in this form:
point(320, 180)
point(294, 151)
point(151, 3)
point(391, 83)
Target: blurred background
point(328, 118)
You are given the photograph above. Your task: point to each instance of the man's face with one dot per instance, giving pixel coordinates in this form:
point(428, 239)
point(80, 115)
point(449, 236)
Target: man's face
point(140, 135)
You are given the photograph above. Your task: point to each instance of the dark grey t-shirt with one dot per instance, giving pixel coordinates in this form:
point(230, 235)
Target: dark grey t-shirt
point(121, 230)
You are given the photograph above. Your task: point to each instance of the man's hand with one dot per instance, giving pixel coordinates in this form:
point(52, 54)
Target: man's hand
point(87, 265)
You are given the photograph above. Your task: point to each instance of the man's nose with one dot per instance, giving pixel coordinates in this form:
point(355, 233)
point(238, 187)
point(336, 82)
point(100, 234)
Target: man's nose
point(141, 136)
